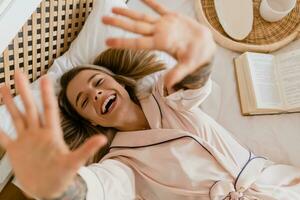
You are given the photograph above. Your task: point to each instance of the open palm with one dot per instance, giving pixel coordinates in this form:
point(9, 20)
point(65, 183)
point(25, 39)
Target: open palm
point(185, 39)
point(42, 162)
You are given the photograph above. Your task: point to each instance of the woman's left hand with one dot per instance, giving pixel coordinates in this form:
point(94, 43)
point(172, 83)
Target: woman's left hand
point(185, 39)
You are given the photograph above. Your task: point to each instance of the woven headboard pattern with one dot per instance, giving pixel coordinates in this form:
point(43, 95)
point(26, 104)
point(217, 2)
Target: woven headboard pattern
point(45, 36)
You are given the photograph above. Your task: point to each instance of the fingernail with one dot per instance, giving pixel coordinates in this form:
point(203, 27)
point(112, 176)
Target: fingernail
point(104, 19)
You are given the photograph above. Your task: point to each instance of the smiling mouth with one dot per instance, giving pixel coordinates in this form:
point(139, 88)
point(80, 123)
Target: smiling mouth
point(108, 104)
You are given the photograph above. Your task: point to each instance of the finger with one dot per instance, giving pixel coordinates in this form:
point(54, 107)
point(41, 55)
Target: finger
point(15, 114)
point(175, 75)
point(22, 85)
point(51, 115)
point(4, 139)
point(132, 26)
point(132, 14)
point(86, 150)
point(160, 9)
point(131, 43)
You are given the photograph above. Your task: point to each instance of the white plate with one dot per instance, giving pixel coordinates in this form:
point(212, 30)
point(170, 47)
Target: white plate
point(235, 16)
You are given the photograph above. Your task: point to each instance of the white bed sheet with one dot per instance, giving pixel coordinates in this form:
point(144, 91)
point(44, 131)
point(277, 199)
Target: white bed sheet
point(276, 137)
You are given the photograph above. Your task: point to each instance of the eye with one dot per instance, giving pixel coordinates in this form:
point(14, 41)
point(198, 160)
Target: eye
point(84, 103)
point(99, 82)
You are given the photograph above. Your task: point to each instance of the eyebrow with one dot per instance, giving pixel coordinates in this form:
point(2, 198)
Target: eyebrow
point(88, 81)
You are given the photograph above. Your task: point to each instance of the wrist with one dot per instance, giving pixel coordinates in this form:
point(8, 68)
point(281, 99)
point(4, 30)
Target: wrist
point(76, 191)
point(196, 79)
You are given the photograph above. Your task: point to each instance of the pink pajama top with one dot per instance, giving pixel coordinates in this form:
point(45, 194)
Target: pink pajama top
point(185, 155)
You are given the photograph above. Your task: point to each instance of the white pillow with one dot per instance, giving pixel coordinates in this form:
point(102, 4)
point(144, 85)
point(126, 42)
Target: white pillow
point(90, 41)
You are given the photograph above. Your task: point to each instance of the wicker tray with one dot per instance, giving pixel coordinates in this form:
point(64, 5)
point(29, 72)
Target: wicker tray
point(264, 37)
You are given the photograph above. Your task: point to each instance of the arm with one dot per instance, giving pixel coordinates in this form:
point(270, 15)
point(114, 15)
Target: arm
point(188, 41)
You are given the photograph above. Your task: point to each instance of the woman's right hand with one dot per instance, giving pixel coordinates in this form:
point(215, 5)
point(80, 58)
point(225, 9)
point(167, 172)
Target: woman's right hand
point(41, 161)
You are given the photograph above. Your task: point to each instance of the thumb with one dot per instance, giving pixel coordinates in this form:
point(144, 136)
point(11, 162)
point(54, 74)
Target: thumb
point(175, 75)
point(88, 149)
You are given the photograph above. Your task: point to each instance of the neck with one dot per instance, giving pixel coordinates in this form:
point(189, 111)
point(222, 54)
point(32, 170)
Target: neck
point(135, 121)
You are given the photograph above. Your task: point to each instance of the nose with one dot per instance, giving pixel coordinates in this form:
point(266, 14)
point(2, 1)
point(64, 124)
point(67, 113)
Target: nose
point(97, 95)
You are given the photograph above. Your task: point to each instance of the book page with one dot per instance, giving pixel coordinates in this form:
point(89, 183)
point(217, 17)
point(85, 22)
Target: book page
point(266, 89)
point(288, 69)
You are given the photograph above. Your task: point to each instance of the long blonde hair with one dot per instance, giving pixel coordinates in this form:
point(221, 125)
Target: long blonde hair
point(126, 67)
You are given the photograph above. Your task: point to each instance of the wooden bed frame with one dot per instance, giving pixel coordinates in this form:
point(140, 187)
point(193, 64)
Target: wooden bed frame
point(45, 36)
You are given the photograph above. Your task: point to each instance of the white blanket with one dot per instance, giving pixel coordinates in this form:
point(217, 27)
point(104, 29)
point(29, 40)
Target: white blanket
point(274, 136)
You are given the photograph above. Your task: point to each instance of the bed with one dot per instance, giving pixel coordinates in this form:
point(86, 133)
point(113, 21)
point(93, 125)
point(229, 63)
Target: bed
point(41, 40)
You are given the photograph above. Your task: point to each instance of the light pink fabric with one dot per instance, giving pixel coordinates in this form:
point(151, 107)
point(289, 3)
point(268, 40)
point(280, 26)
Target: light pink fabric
point(187, 155)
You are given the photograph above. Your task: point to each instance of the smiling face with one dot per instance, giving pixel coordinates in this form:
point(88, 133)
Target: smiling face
point(99, 98)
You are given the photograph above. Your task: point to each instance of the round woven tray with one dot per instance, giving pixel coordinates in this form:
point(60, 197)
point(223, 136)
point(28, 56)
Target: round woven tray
point(264, 37)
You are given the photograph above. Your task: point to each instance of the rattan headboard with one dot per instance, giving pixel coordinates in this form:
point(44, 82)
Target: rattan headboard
point(45, 36)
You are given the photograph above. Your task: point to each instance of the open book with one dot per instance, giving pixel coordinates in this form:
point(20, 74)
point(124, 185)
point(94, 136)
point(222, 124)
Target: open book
point(268, 84)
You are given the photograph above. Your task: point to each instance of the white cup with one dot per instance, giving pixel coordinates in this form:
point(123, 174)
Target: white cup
point(275, 10)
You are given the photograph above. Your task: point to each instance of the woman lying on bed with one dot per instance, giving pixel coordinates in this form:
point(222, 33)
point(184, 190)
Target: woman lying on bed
point(164, 147)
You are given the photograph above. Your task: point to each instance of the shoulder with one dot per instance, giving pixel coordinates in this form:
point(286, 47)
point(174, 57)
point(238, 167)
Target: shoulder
point(144, 86)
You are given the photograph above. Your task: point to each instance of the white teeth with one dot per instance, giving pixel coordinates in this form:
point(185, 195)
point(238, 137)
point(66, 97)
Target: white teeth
point(111, 97)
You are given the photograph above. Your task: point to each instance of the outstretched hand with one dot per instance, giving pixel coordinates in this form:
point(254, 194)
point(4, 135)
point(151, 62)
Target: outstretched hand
point(185, 39)
point(41, 161)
